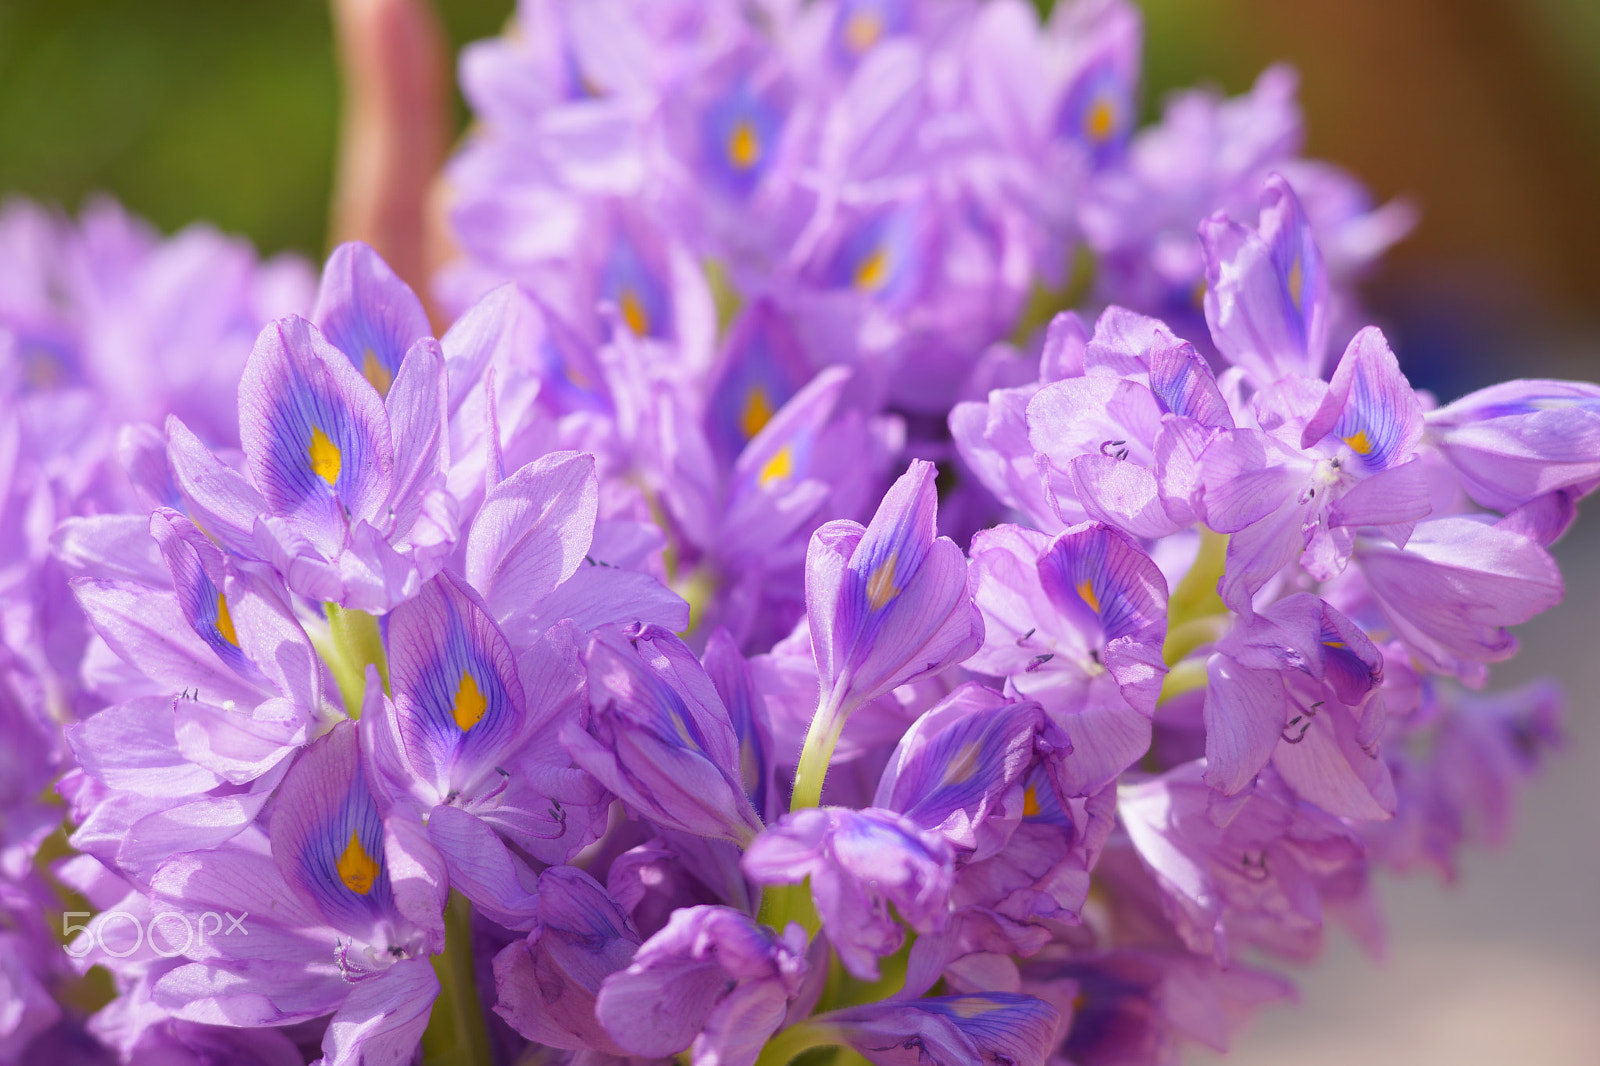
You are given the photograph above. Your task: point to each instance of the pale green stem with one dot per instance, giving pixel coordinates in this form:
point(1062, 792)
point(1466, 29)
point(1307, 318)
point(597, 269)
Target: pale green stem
point(795, 1041)
point(457, 1034)
point(1185, 677)
point(357, 642)
point(823, 736)
point(1196, 595)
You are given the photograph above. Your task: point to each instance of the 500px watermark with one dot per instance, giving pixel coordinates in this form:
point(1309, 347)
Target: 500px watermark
point(162, 932)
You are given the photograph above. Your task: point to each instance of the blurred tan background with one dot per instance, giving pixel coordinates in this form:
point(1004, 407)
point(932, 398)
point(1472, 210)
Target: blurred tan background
point(1485, 113)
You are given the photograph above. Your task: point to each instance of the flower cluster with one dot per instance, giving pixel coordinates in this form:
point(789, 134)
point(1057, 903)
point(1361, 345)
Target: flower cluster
point(604, 680)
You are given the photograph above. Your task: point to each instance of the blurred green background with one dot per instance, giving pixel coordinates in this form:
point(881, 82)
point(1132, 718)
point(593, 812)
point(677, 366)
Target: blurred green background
point(1486, 113)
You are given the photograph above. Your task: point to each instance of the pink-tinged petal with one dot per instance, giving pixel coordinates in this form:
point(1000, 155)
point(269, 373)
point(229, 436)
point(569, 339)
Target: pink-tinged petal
point(133, 747)
point(316, 438)
point(546, 985)
point(1121, 494)
point(1517, 441)
point(597, 594)
point(532, 532)
point(1064, 342)
point(416, 408)
point(217, 497)
point(1329, 766)
point(238, 745)
point(1369, 405)
point(1457, 585)
point(1245, 710)
point(482, 868)
point(418, 879)
point(1396, 498)
point(368, 313)
point(381, 1022)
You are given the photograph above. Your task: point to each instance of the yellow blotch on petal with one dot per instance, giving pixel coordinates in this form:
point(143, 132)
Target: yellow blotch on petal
point(873, 271)
point(1334, 644)
point(757, 412)
point(225, 622)
point(744, 146)
point(1086, 594)
point(1359, 442)
point(862, 30)
point(357, 869)
point(964, 765)
point(377, 373)
point(470, 702)
point(779, 466)
point(634, 314)
point(325, 456)
point(1297, 281)
point(880, 586)
point(1030, 802)
point(972, 1006)
point(1101, 120)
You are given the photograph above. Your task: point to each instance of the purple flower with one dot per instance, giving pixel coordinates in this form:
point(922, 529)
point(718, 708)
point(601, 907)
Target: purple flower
point(712, 982)
point(888, 603)
point(657, 734)
point(958, 770)
point(547, 984)
point(858, 863)
point(1266, 289)
point(1076, 623)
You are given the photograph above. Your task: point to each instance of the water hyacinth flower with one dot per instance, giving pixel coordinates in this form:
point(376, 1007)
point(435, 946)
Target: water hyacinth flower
point(584, 685)
point(887, 604)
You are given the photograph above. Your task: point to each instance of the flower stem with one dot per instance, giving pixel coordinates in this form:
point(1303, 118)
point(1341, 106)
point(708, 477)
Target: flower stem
point(786, 1046)
point(457, 1034)
point(823, 736)
point(357, 641)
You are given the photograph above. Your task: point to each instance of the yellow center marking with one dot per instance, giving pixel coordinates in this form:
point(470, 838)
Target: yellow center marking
point(1334, 644)
point(880, 586)
point(225, 622)
point(1101, 120)
point(1297, 281)
point(1030, 802)
point(470, 702)
point(325, 457)
point(779, 466)
point(757, 412)
point(862, 30)
point(376, 373)
point(634, 314)
point(744, 147)
point(964, 764)
point(357, 869)
point(873, 271)
point(972, 1006)
point(1086, 594)
point(1359, 442)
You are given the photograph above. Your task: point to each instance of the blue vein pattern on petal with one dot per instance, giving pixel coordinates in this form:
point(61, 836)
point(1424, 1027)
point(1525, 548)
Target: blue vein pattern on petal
point(199, 596)
point(1381, 415)
point(327, 835)
point(456, 690)
point(314, 429)
point(1096, 572)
